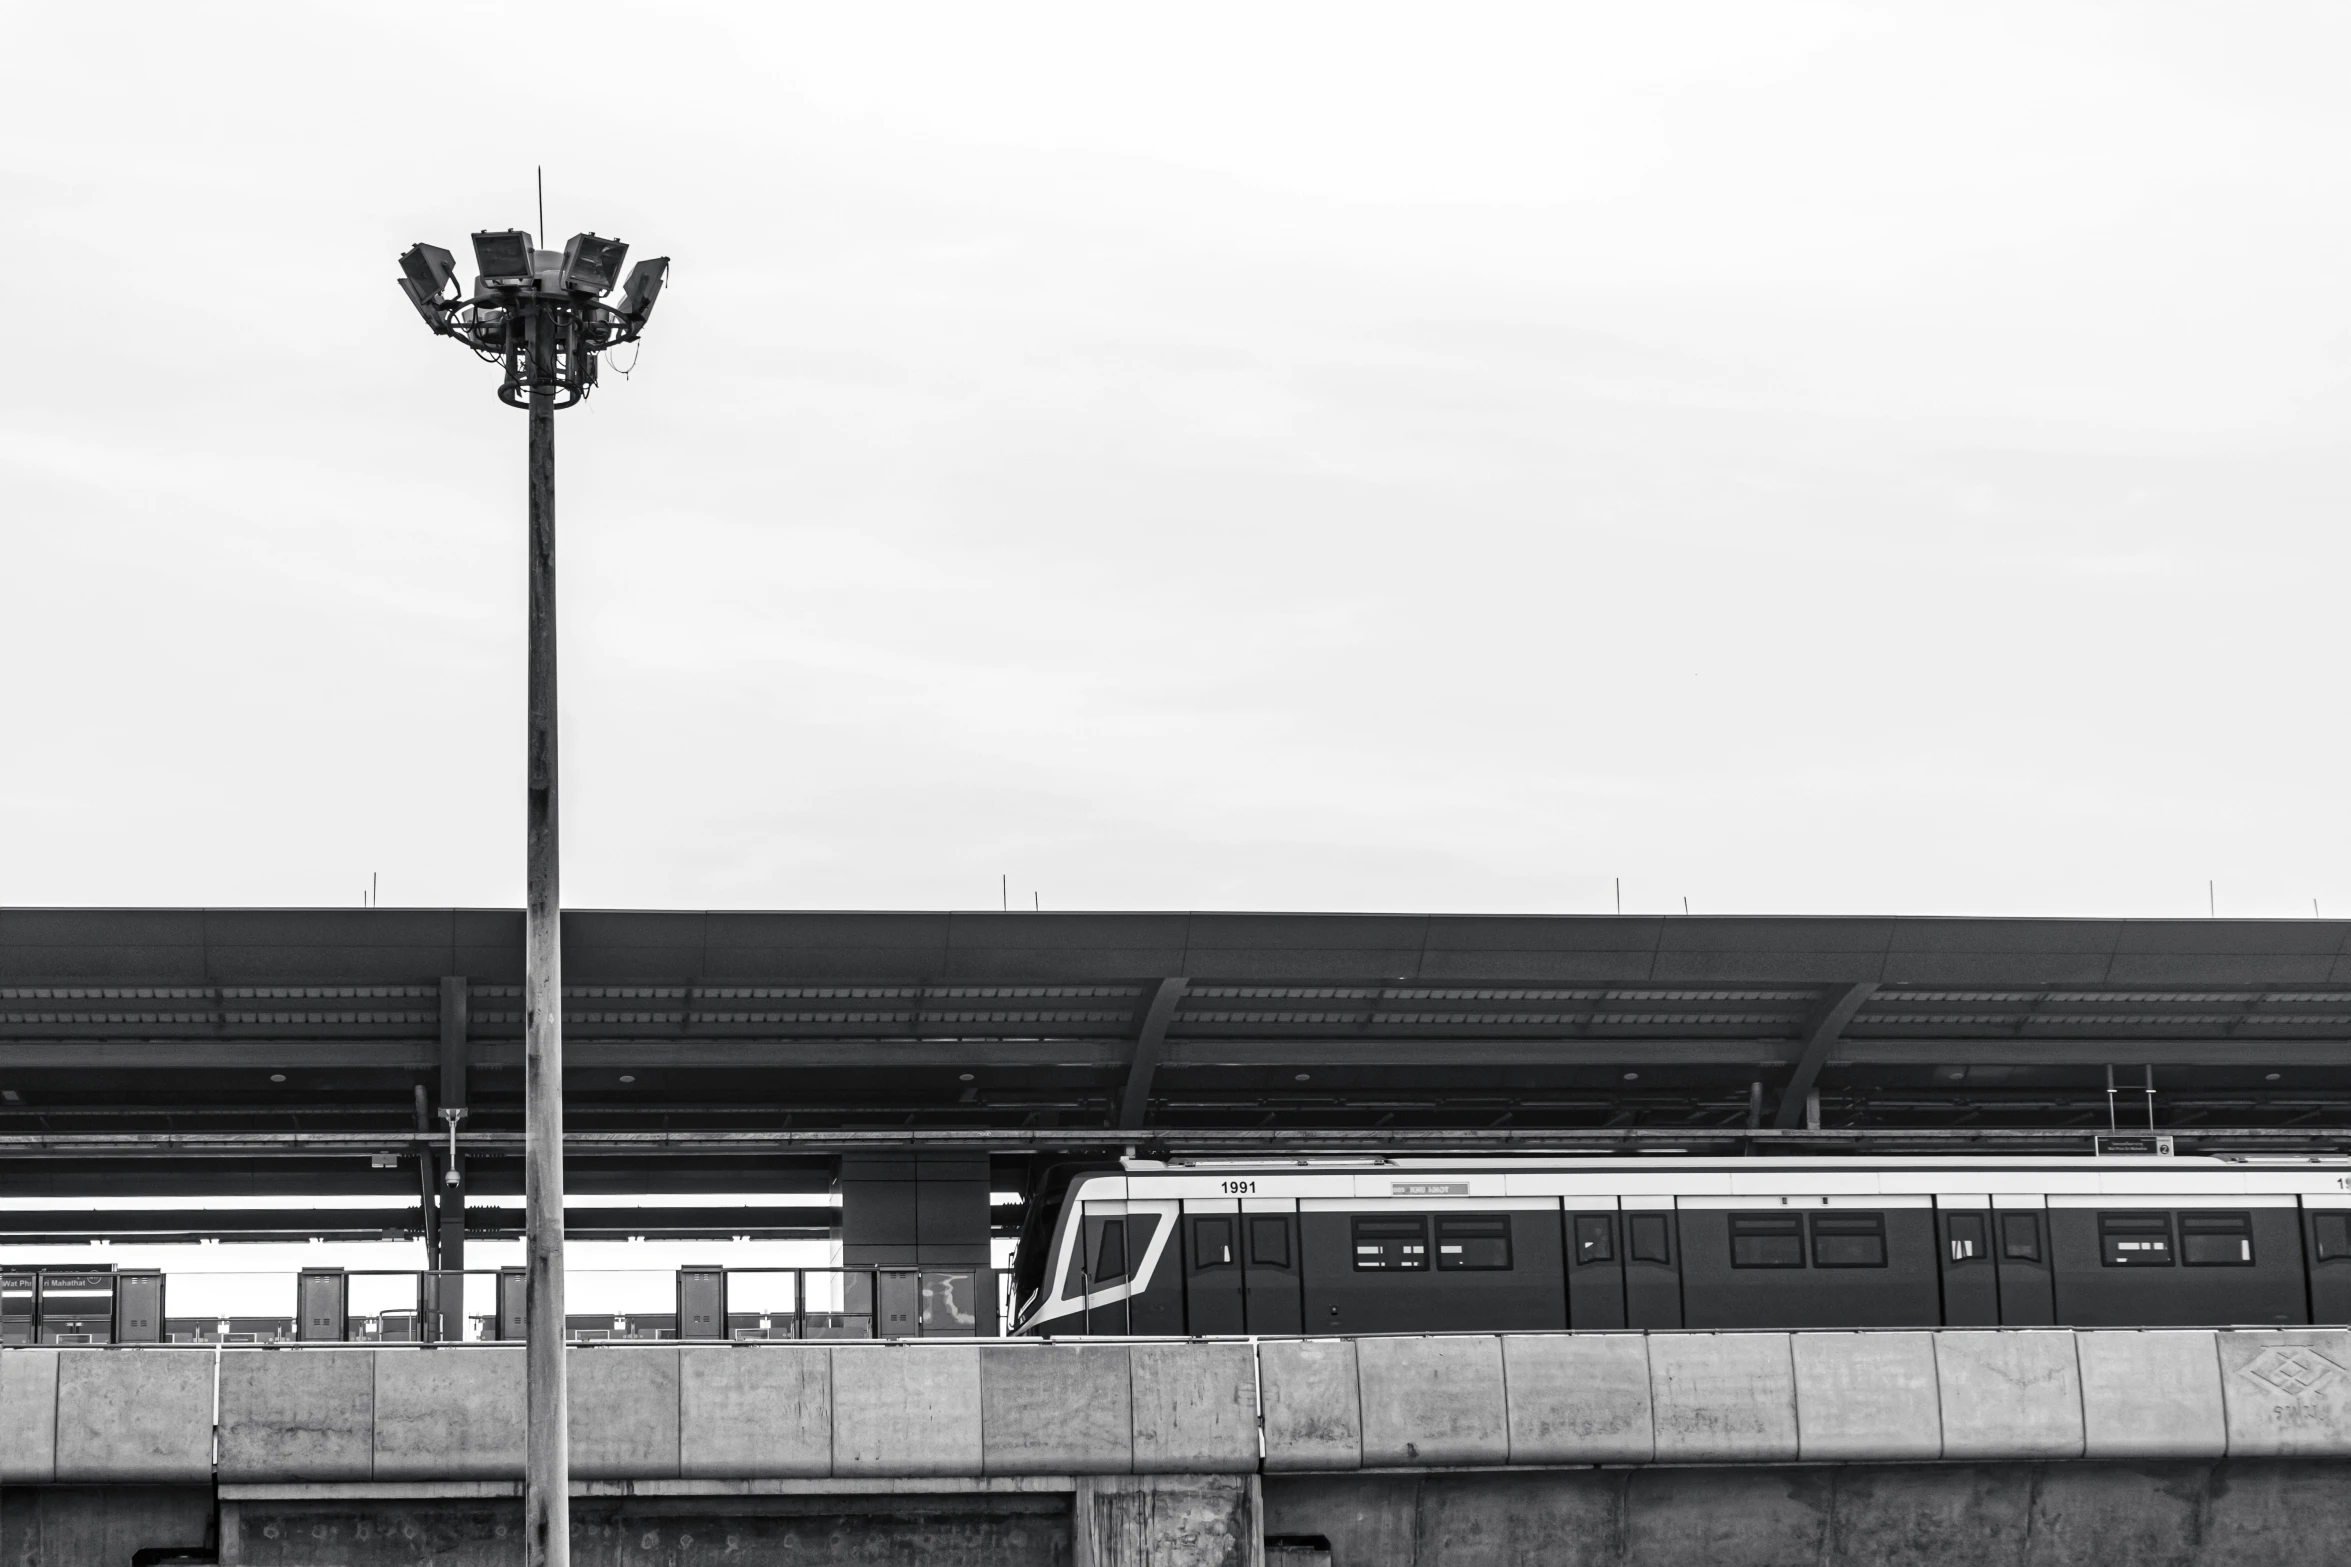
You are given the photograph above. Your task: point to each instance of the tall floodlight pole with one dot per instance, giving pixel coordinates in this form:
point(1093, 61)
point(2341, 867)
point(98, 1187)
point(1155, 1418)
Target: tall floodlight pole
point(539, 314)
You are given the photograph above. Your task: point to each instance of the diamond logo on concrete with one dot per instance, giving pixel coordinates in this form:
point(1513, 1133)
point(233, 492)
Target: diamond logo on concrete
point(2293, 1369)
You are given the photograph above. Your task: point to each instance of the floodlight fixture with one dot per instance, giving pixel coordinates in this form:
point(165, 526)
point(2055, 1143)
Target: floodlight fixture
point(537, 313)
point(430, 268)
point(503, 254)
point(591, 265)
point(641, 290)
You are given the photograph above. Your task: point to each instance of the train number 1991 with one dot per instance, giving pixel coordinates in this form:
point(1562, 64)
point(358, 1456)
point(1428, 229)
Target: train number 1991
point(1244, 1188)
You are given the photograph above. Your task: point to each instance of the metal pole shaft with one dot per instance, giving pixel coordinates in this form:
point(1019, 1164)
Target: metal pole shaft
point(547, 1455)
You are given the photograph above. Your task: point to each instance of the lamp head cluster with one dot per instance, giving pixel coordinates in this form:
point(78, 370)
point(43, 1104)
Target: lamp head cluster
point(543, 315)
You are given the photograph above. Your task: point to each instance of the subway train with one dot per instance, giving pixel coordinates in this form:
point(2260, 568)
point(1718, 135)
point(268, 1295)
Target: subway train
point(1415, 1245)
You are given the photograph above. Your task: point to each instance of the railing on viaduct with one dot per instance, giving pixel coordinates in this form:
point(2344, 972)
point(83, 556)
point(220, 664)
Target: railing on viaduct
point(1233, 1426)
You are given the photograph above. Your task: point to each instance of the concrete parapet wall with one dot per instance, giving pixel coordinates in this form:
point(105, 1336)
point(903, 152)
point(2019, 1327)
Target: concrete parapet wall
point(1723, 1398)
point(1195, 1407)
point(28, 1416)
point(1432, 1401)
point(2003, 1393)
point(1578, 1398)
point(2151, 1395)
point(133, 1419)
point(765, 1414)
point(1866, 1397)
point(664, 1412)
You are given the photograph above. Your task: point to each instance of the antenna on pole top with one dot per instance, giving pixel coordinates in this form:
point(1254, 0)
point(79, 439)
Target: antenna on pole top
point(542, 170)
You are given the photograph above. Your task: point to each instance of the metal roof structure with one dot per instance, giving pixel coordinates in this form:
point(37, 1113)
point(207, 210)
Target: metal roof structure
point(742, 1047)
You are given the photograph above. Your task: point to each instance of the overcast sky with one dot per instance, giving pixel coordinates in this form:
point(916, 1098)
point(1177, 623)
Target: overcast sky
point(1799, 458)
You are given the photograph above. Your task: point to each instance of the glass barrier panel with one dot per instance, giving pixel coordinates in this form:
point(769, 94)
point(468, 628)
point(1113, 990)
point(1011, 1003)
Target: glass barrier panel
point(950, 1305)
point(763, 1303)
point(16, 1307)
point(381, 1308)
point(384, 1306)
point(74, 1308)
point(840, 1303)
point(228, 1308)
point(629, 1303)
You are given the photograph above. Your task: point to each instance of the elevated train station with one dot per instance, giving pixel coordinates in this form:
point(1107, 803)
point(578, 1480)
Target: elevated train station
point(878, 1078)
point(919, 1090)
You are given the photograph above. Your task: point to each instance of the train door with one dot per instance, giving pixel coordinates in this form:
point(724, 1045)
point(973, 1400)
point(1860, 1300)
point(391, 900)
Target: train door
point(1595, 1268)
point(2326, 1240)
point(1273, 1268)
point(1213, 1292)
point(1652, 1264)
point(2020, 1259)
point(1971, 1283)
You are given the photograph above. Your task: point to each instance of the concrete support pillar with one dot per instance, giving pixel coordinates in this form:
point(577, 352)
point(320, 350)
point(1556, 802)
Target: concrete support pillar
point(914, 1210)
point(1167, 1521)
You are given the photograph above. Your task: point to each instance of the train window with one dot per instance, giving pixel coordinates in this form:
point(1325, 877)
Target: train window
point(1767, 1240)
point(1269, 1242)
point(1848, 1240)
point(1473, 1242)
point(2020, 1237)
point(1645, 1238)
point(2216, 1240)
point(1212, 1244)
point(2332, 1231)
point(1100, 1257)
point(1391, 1244)
point(1110, 1257)
point(1596, 1242)
point(2135, 1240)
point(1966, 1233)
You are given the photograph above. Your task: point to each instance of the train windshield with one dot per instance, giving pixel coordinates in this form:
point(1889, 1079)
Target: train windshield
point(1030, 1262)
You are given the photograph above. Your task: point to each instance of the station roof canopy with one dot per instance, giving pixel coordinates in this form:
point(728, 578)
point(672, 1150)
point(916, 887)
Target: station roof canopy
point(251, 1020)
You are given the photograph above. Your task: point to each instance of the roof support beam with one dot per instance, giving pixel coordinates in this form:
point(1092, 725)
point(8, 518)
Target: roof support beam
point(1134, 1099)
point(1821, 1030)
point(595, 1145)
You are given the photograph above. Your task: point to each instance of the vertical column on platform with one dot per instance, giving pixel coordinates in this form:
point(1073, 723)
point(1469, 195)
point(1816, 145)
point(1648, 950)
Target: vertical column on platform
point(455, 1024)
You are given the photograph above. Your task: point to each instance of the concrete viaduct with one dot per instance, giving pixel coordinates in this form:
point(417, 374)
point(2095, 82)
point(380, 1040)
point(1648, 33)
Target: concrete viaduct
point(2041, 1447)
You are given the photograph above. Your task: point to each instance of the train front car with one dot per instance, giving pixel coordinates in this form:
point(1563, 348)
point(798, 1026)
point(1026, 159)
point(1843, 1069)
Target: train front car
point(1413, 1245)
